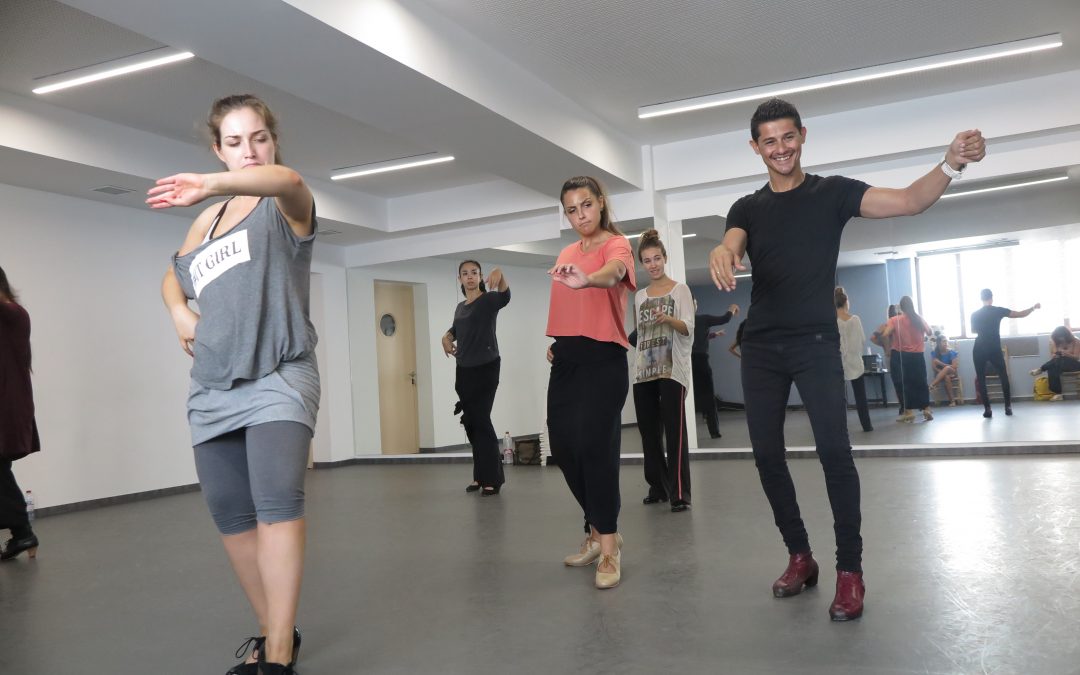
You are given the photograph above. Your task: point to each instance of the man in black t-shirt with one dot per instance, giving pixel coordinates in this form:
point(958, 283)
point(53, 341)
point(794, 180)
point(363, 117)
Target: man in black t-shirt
point(986, 324)
point(791, 230)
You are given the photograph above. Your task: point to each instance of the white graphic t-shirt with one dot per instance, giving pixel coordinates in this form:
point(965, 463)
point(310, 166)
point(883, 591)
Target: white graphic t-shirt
point(662, 352)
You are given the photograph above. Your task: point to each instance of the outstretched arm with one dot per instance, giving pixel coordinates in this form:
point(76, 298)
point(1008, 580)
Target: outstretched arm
point(286, 186)
point(1024, 312)
point(966, 148)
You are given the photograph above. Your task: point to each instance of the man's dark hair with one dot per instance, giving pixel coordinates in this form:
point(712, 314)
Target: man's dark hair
point(770, 111)
point(986, 294)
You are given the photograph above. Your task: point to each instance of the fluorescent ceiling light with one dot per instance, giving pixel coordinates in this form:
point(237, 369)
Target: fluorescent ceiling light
point(390, 165)
point(743, 276)
point(992, 243)
point(1010, 186)
point(853, 76)
point(635, 236)
point(114, 68)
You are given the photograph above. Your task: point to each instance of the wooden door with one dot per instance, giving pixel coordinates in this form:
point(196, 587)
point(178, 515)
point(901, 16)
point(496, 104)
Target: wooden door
point(395, 346)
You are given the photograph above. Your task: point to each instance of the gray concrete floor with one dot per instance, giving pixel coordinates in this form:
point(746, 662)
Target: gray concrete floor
point(972, 566)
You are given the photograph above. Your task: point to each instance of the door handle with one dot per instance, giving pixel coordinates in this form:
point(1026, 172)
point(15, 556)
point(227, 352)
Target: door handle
point(412, 377)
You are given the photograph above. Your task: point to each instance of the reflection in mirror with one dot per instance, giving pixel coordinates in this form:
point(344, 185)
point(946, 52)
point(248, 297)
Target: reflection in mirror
point(942, 258)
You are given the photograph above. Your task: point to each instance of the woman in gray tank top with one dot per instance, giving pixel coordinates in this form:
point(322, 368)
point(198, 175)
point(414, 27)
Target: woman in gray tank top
point(254, 382)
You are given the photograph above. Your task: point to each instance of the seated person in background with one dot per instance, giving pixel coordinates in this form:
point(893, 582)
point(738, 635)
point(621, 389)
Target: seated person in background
point(946, 364)
point(1064, 358)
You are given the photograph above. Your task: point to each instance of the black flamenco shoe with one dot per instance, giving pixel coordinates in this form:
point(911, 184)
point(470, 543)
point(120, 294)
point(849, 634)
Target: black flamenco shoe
point(245, 668)
point(17, 545)
point(490, 490)
point(679, 506)
point(473, 487)
point(265, 668)
point(256, 644)
point(653, 500)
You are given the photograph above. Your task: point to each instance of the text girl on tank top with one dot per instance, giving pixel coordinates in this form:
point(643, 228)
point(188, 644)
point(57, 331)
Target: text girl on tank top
point(254, 391)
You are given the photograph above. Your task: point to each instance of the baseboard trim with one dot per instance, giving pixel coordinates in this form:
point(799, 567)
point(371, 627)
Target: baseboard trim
point(118, 499)
point(867, 451)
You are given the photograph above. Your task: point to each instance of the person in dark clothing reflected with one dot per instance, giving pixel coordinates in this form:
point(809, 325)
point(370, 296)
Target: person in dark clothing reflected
point(986, 324)
point(704, 393)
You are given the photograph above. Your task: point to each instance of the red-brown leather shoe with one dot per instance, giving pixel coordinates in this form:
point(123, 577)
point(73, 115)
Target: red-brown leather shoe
point(850, 590)
point(802, 570)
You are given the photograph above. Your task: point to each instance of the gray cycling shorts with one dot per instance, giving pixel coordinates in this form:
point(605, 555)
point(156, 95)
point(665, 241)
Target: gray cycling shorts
point(254, 475)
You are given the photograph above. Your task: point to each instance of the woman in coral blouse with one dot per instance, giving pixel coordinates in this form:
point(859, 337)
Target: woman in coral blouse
point(591, 282)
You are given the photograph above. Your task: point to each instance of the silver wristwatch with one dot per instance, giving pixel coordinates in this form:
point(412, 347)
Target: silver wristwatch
point(951, 172)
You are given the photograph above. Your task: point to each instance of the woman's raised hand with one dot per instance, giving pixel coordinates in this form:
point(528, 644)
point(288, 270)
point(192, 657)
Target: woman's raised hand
point(182, 189)
point(569, 275)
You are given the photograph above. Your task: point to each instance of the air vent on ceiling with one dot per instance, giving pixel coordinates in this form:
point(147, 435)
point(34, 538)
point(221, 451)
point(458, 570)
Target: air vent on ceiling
point(327, 233)
point(112, 190)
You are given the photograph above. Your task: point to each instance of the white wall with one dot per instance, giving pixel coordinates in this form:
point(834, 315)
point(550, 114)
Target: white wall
point(520, 402)
point(110, 381)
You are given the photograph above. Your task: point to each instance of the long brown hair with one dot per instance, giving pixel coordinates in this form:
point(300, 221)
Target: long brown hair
point(224, 106)
point(607, 221)
point(8, 295)
point(5, 289)
point(907, 306)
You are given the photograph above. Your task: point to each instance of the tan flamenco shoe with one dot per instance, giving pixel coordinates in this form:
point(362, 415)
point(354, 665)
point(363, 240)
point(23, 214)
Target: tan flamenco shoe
point(589, 553)
point(606, 580)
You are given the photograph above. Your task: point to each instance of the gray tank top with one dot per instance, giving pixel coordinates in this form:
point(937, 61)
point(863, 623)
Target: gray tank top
point(252, 285)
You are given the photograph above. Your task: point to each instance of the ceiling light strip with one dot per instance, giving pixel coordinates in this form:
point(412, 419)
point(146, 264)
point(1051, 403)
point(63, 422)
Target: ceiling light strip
point(996, 243)
point(392, 165)
point(1010, 186)
point(114, 68)
point(853, 76)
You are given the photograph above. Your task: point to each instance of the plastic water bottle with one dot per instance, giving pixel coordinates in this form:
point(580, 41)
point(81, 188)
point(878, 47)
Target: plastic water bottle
point(30, 506)
point(508, 449)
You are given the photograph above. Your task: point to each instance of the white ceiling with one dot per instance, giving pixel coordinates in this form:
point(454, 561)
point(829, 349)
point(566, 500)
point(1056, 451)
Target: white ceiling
point(613, 57)
point(524, 94)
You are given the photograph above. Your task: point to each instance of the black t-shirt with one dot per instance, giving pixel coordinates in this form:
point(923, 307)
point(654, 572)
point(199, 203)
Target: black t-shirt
point(703, 323)
point(474, 328)
point(986, 323)
point(793, 240)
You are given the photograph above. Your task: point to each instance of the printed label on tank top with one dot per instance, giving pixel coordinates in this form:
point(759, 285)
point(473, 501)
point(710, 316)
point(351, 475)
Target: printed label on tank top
point(221, 256)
